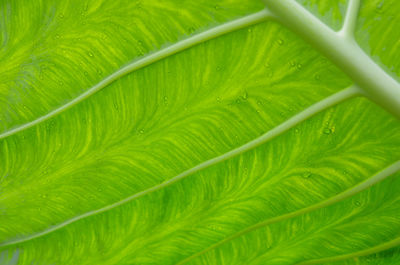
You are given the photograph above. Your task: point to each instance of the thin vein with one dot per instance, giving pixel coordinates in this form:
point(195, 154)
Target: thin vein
point(350, 21)
point(385, 246)
point(281, 128)
point(393, 168)
point(212, 33)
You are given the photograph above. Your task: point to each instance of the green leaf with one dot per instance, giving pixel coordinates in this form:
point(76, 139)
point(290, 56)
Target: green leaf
point(199, 132)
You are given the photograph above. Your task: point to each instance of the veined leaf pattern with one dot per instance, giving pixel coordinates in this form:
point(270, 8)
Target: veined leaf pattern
point(228, 140)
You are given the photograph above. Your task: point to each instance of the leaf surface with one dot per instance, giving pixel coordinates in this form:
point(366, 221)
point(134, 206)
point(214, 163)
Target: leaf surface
point(206, 133)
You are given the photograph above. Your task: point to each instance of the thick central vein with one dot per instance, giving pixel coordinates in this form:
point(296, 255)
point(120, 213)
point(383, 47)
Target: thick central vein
point(278, 130)
point(149, 59)
point(341, 49)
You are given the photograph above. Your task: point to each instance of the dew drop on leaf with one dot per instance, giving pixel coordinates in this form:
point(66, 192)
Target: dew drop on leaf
point(378, 7)
point(245, 95)
point(280, 42)
point(115, 106)
point(90, 54)
point(327, 131)
point(190, 30)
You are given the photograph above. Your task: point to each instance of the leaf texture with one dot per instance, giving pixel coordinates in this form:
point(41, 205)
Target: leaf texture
point(250, 147)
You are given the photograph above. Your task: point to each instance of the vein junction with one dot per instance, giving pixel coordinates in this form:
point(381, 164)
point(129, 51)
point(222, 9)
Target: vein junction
point(342, 49)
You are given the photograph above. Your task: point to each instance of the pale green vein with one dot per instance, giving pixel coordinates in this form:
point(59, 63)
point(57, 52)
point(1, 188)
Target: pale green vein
point(149, 59)
point(283, 127)
point(378, 85)
point(385, 246)
point(350, 21)
point(337, 198)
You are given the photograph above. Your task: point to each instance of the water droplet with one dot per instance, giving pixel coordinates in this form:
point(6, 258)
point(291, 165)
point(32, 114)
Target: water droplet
point(141, 131)
point(259, 102)
point(219, 68)
point(90, 54)
point(327, 131)
point(218, 99)
point(307, 175)
point(99, 71)
point(292, 63)
point(299, 66)
point(216, 7)
point(245, 95)
point(249, 30)
point(190, 30)
point(267, 65)
point(280, 42)
point(379, 6)
point(60, 83)
point(85, 73)
point(61, 16)
point(317, 77)
point(115, 106)
point(357, 203)
point(44, 196)
point(296, 130)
